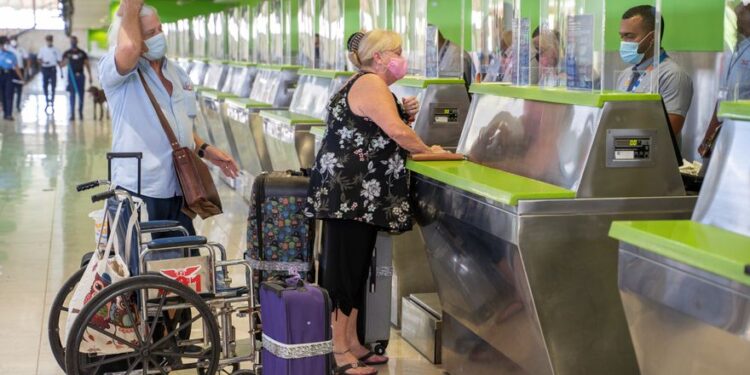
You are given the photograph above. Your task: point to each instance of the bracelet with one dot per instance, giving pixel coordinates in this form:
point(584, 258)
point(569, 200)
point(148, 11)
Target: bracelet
point(202, 150)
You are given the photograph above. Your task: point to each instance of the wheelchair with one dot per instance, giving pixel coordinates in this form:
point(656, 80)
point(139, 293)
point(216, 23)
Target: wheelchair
point(176, 319)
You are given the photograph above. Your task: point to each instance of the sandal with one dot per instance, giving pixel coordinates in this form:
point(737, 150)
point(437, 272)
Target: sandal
point(342, 370)
point(364, 359)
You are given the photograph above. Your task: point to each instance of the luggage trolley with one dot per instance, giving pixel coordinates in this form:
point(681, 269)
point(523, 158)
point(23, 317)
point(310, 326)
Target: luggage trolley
point(172, 314)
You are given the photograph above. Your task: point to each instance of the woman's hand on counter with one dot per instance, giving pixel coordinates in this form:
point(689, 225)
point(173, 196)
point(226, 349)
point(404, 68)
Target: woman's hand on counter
point(435, 149)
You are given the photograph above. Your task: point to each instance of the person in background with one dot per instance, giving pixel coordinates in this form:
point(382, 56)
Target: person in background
point(138, 46)
point(317, 51)
point(50, 58)
point(359, 184)
point(549, 59)
point(76, 59)
point(8, 72)
point(450, 57)
point(22, 58)
point(734, 81)
point(637, 35)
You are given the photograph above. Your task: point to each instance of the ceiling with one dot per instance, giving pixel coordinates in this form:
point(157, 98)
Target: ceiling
point(94, 14)
point(90, 14)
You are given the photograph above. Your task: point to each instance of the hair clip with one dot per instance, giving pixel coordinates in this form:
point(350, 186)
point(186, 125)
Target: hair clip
point(353, 43)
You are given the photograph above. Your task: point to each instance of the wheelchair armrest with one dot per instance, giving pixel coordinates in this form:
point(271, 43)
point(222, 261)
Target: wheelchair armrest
point(177, 242)
point(151, 226)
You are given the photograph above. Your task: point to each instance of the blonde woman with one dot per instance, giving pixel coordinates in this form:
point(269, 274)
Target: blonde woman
point(359, 183)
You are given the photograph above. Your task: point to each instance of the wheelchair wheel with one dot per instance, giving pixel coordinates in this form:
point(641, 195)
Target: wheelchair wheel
point(146, 345)
point(58, 316)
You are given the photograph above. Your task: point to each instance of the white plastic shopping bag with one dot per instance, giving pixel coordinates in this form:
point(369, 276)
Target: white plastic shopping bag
point(106, 267)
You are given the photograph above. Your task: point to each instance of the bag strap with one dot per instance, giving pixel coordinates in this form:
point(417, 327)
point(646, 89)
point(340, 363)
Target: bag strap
point(112, 233)
point(162, 119)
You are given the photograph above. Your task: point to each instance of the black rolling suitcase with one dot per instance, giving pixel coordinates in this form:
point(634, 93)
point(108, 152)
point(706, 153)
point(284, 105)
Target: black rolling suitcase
point(279, 236)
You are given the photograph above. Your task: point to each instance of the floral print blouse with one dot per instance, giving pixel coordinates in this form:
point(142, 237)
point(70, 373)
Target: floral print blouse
point(359, 173)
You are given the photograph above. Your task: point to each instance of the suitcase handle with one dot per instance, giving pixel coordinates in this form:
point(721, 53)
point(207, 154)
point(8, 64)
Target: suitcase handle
point(124, 155)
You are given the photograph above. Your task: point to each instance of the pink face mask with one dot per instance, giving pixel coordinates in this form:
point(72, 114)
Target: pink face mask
point(398, 66)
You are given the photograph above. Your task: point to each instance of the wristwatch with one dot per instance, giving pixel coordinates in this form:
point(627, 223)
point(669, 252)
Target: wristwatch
point(202, 150)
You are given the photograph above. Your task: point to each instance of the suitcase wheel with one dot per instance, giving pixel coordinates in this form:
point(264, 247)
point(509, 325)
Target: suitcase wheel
point(380, 346)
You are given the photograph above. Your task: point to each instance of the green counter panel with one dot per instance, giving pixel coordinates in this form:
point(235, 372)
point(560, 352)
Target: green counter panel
point(217, 95)
point(247, 103)
point(279, 67)
point(318, 131)
point(736, 110)
point(323, 73)
point(423, 82)
point(558, 95)
point(202, 89)
point(242, 64)
point(702, 246)
point(286, 117)
point(503, 187)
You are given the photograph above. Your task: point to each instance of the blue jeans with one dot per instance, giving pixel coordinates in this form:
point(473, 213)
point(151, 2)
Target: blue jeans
point(76, 87)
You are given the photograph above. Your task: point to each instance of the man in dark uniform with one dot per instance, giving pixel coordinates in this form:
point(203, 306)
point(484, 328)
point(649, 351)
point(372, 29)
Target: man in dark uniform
point(75, 59)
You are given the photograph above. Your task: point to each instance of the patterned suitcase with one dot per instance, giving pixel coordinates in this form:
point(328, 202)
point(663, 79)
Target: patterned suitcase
point(279, 236)
point(297, 337)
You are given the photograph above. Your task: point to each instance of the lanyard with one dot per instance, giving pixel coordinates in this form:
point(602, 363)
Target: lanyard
point(650, 68)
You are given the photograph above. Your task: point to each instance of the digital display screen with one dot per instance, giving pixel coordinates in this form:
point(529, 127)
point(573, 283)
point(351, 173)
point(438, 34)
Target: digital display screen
point(632, 148)
point(442, 115)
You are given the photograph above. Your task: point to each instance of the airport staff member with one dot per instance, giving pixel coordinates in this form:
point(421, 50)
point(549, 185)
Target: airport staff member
point(637, 35)
point(76, 59)
point(734, 81)
point(22, 57)
point(8, 72)
point(137, 44)
point(50, 58)
point(450, 58)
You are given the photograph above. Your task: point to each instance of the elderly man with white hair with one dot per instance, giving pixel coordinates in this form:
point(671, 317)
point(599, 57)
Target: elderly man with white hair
point(138, 46)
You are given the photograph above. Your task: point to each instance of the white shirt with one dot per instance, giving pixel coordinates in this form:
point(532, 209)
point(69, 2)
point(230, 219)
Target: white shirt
point(136, 128)
point(49, 56)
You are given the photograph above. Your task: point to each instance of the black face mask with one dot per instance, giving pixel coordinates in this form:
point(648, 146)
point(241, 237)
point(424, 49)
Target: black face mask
point(74, 45)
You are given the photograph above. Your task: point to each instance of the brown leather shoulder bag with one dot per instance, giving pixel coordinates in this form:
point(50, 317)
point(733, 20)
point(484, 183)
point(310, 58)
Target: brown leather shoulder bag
point(198, 189)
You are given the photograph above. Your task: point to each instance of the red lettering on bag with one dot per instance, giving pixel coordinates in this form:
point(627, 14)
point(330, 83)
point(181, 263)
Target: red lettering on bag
point(186, 276)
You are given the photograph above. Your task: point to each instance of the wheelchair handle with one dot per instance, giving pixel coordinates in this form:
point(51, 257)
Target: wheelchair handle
point(102, 196)
point(90, 185)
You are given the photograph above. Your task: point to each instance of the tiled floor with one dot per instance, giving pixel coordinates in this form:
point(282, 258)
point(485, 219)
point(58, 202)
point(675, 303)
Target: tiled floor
point(45, 228)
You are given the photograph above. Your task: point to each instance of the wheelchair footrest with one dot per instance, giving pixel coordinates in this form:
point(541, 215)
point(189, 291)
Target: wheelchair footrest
point(159, 224)
point(177, 242)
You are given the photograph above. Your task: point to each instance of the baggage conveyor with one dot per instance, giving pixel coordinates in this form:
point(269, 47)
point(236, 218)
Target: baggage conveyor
point(685, 285)
point(517, 236)
point(272, 90)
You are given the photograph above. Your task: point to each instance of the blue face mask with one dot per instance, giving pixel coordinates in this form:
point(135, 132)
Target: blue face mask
point(157, 47)
point(629, 53)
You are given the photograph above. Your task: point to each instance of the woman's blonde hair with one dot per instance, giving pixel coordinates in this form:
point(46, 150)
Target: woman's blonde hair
point(364, 46)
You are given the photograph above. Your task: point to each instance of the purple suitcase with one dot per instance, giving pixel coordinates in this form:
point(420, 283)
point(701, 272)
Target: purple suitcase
point(296, 318)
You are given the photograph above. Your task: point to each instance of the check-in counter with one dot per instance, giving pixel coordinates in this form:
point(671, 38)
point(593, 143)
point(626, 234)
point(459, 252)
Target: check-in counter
point(516, 236)
point(290, 143)
point(444, 105)
point(197, 72)
point(685, 285)
point(272, 89)
point(238, 82)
